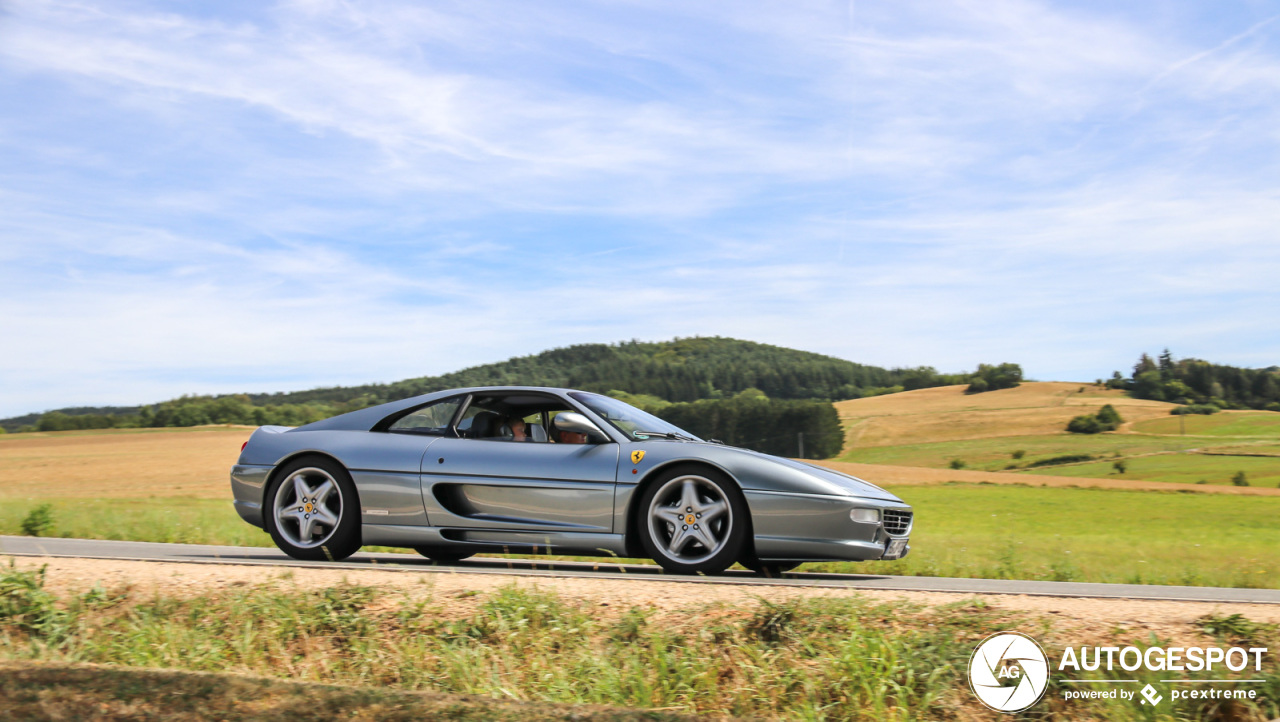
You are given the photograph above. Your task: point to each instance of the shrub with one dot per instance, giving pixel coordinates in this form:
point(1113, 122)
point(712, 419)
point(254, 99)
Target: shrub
point(1107, 419)
point(38, 521)
point(1019, 453)
point(957, 463)
point(1064, 459)
point(1205, 409)
point(28, 606)
point(1240, 479)
point(1120, 466)
point(1087, 424)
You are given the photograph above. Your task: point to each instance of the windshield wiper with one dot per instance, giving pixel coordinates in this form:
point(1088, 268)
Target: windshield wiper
point(661, 435)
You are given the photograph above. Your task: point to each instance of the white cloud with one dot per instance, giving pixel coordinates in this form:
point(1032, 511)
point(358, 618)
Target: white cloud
point(325, 192)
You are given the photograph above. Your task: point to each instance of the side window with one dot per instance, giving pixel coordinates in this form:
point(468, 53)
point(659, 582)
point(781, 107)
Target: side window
point(429, 419)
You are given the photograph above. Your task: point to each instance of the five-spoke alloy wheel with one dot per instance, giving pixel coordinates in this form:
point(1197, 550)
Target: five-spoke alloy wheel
point(694, 521)
point(312, 510)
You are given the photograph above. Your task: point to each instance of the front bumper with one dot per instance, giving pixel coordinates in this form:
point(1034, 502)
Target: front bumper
point(807, 527)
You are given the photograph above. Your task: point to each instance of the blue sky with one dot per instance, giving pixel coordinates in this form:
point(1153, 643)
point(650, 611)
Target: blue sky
point(202, 198)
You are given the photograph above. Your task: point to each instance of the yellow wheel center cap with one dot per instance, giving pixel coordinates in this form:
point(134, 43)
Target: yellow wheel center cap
point(689, 519)
point(308, 507)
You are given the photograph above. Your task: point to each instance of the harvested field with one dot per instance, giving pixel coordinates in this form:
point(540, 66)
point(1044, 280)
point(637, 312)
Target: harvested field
point(120, 463)
point(946, 413)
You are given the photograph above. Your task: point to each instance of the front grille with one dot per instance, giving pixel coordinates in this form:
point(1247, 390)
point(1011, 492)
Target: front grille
point(897, 522)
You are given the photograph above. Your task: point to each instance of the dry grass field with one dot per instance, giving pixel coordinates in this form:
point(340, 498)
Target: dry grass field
point(120, 463)
point(946, 413)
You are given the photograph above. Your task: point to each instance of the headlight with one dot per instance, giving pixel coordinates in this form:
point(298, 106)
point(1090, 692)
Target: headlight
point(865, 516)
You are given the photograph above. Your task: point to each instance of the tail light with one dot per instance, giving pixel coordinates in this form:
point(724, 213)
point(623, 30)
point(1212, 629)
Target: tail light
point(246, 443)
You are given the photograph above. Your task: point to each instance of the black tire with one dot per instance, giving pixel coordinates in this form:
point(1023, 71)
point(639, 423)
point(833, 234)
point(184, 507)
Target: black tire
point(443, 554)
point(331, 542)
point(772, 570)
point(727, 530)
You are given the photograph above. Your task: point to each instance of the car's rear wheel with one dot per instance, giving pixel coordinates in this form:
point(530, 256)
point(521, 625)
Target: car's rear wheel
point(313, 511)
point(693, 521)
point(443, 554)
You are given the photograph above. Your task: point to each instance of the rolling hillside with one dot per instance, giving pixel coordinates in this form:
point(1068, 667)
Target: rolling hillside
point(1021, 432)
point(684, 369)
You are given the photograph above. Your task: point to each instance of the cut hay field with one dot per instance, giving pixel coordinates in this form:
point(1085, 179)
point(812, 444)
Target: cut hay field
point(946, 413)
point(121, 463)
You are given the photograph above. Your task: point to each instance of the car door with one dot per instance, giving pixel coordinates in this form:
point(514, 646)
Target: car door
point(386, 463)
point(495, 484)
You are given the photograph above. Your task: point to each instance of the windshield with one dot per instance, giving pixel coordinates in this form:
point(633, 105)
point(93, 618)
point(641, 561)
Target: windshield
point(627, 418)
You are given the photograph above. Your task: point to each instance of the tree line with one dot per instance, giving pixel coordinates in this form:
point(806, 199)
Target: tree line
point(743, 393)
point(753, 421)
point(1192, 381)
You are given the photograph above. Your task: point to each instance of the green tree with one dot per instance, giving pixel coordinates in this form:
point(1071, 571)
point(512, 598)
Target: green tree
point(1109, 418)
point(993, 378)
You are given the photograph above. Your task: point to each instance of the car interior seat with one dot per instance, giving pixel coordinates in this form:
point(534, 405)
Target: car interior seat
point(536, 432)
point(483, 425)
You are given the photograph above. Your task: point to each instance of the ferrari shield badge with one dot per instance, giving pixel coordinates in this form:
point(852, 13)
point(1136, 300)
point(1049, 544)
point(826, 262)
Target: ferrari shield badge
point(636, 456)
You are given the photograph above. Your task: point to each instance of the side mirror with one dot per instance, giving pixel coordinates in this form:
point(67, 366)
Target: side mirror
point(577, 423)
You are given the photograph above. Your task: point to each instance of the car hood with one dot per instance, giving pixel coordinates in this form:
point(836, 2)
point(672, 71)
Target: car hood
point(809, 478)
point(852, 484)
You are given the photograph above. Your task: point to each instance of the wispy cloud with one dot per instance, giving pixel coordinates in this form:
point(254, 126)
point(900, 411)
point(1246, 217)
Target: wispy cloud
point(315, 192)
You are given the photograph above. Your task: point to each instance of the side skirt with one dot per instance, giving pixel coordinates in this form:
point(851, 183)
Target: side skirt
point(496, 541)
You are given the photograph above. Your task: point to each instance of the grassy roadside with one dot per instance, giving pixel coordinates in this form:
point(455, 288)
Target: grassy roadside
point(962, 530)
point(812, 658)
point(44, 691)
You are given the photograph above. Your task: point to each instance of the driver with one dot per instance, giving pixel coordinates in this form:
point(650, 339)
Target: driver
point(571, 437)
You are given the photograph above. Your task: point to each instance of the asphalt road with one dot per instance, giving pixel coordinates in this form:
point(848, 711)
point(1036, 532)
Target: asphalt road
point(604, 569)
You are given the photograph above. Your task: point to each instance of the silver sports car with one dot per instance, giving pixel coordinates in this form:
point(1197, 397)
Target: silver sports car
point(538, 470)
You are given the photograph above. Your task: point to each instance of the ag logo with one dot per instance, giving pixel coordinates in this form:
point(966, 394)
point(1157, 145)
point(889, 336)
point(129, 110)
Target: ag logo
point(1009, 672)
point(637, 456)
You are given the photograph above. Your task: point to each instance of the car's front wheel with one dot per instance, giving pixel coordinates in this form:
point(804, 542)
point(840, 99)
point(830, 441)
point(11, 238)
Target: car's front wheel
point(694, 521)
point(313, 511)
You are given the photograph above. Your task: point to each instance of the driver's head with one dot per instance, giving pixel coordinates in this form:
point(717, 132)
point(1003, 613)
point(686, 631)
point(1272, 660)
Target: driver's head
point(572, 437)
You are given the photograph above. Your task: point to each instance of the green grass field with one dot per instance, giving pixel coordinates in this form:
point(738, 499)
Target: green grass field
point(1181, 468)
point(1095, 535)
point(995, 454)
point(962, 530)
point(1257, 423)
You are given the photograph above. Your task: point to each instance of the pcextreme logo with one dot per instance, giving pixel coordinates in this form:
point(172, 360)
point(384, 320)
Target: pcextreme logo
point(1009, 672)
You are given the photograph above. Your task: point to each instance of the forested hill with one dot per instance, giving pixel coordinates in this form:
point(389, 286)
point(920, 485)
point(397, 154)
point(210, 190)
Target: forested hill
point(685, 369)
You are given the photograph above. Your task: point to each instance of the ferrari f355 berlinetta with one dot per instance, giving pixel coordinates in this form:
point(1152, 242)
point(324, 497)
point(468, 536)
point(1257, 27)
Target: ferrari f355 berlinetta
point(525, 470)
